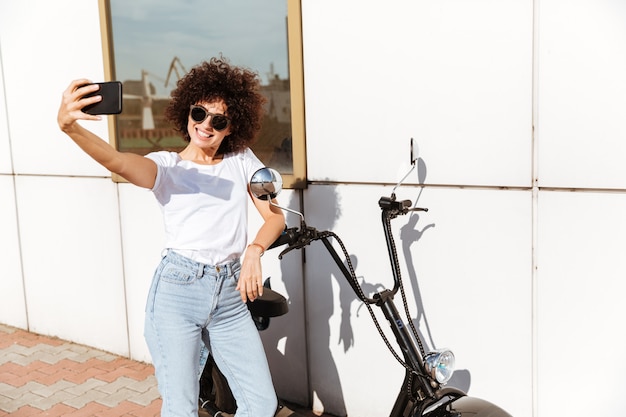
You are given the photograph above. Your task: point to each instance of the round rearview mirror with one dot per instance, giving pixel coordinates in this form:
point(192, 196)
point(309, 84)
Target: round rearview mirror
point(266, 184)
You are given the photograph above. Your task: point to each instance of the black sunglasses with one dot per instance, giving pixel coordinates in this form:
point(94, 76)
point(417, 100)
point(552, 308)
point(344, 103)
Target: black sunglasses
point(199, 114)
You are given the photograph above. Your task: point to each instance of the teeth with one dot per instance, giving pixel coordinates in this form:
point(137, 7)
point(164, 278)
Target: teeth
point(205, 135)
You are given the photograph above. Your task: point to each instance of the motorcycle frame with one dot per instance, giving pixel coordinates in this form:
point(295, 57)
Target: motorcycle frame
point(406, 343)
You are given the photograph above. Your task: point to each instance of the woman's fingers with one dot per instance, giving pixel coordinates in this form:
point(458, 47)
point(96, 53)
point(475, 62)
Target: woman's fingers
point(73, 102)
point(251, 289)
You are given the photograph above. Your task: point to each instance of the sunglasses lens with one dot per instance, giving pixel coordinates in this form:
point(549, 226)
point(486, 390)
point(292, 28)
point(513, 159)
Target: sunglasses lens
point(198, 114)
point(219, 122)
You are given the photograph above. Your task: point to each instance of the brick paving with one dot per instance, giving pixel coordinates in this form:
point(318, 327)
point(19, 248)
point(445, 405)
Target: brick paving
point(46, 376)
point(43, 376)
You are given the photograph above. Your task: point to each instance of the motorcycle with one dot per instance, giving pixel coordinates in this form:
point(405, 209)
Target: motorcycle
point(423, 391)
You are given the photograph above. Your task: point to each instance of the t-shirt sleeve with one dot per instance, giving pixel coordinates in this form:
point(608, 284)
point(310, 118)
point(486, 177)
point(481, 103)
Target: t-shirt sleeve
point(163, 159)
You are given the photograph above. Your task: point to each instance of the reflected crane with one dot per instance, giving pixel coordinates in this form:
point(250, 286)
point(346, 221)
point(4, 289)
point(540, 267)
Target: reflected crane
point(147, 95)
point(175, 68)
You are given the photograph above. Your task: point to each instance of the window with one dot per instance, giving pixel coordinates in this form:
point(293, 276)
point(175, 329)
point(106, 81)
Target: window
point(150, 44)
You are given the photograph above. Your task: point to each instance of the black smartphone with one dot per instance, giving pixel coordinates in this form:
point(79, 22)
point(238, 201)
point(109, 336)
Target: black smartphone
point(111, 92)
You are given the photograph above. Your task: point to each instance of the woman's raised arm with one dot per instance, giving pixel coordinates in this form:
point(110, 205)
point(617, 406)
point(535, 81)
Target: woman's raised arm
point(136, 169)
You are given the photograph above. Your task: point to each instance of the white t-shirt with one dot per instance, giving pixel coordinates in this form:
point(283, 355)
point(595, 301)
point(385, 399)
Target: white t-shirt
point(205, 207)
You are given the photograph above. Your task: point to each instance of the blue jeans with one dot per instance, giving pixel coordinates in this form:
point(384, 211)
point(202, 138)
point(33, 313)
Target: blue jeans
point(191, 302)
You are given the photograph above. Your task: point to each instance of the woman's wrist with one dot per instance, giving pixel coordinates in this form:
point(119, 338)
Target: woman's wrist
point(260, 248)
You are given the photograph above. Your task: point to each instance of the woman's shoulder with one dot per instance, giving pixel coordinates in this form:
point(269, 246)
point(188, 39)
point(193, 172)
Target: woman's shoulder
point(245, 154)
point(247, 161)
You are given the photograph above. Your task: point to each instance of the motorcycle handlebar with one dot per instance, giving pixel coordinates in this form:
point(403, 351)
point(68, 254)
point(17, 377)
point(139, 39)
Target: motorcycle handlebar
point(287, 237)
point(295, 237)
point(299, 237)
point(395, 207)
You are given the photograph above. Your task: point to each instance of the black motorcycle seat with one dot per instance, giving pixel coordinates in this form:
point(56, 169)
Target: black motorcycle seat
point(270, 304)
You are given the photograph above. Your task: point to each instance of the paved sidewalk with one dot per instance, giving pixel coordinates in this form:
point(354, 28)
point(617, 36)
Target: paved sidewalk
point(45, 376)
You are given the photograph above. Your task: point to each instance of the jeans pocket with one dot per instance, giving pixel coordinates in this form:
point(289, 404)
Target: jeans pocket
point(233, 280)
point(174, 274)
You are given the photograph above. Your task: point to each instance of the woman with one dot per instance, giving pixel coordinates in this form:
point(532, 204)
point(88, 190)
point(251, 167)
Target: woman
point(200, 288)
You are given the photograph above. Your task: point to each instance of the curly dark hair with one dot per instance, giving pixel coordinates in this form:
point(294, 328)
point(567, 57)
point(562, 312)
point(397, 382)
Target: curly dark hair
point(214, 80)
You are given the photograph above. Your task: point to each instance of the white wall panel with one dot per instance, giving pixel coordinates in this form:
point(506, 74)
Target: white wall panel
point(70, 235)
point(582, 93)
point(42, 52)
point(456, 76)
point(143, 237)
point(581, 270)
point(6, 166)
point(12, 303)
point(479, 250)
point(470, 274)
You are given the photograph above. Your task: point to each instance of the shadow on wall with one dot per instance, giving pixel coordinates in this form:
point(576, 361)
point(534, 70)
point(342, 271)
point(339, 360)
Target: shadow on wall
point(410, 234)
point(329, 394)
point(286, 343)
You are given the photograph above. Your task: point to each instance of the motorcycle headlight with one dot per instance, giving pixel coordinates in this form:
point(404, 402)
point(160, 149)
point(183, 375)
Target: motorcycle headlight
point(440, 365)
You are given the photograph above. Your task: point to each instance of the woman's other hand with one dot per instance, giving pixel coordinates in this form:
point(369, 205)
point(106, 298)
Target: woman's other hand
point(250, 283)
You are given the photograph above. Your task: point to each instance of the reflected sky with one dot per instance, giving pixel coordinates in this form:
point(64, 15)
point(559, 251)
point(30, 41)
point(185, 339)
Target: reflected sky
point(148, 34)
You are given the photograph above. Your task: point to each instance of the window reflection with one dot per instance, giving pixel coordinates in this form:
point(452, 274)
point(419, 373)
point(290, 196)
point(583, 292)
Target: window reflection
point(154, 43)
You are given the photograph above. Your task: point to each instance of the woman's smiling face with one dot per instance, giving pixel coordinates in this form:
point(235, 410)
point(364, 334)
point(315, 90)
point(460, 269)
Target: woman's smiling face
point(203, 134)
